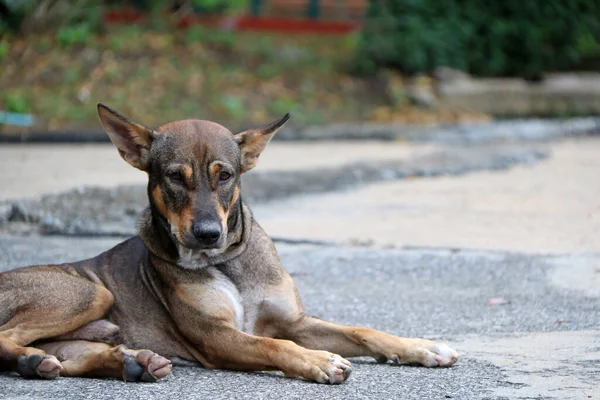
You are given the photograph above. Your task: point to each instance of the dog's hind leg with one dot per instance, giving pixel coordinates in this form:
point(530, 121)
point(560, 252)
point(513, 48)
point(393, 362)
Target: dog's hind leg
point(101, 330)
point(94, 359)
point(40, 303)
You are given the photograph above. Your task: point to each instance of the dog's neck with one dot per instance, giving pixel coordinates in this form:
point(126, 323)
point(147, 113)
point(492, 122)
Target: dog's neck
point(155, 232)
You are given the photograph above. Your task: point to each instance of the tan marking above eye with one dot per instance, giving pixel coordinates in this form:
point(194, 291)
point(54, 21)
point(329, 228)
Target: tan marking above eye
point(187, 172)
point(215, 168)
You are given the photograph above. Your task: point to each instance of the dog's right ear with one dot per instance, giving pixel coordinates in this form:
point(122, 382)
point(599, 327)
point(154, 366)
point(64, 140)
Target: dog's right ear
point(131, 139)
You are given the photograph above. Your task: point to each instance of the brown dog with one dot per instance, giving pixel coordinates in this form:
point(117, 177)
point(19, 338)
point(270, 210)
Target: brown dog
point(201, 282)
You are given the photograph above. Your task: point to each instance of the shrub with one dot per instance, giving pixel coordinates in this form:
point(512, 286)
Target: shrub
point(509, 37)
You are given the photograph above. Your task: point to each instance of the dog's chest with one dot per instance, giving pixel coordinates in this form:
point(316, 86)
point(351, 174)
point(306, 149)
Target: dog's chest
point(246, 306)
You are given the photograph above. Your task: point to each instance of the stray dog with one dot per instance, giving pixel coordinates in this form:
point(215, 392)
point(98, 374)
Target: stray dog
point(201, 282)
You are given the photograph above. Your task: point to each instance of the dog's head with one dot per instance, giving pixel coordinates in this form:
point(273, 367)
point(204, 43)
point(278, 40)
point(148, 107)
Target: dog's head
point(194, 170)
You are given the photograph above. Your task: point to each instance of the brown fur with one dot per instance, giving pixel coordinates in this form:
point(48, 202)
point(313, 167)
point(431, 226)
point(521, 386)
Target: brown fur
point(224, 301)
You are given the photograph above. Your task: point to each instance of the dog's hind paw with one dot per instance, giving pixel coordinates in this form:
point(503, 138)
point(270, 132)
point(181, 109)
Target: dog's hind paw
point(143, 365)
point(39, 366)
point(427, 353)
point(445, 356)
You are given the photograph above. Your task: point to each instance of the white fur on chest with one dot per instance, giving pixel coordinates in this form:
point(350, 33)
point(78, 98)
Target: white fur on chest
point(277, 302)
point(223, 285)
point(245, 310)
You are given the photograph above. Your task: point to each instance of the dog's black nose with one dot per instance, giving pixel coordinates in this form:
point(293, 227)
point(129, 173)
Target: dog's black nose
point(207, 233)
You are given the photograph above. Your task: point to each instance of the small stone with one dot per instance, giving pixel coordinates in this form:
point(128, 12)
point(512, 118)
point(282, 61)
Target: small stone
point(496, 301)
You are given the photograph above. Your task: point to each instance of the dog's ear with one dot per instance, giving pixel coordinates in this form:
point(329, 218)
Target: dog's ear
point(253, 141)
point(131, 139)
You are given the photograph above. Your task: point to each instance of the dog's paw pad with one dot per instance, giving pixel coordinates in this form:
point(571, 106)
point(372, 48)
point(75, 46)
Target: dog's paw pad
point(144, 366)
point(39, 366)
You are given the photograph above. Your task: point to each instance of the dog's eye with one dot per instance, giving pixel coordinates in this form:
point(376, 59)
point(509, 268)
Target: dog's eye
point(176, 177)
point(224, 176)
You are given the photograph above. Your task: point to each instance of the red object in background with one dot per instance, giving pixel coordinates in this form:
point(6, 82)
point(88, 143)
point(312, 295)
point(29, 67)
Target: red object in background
point(295, 25)
point(245, 23)
point(123, 16)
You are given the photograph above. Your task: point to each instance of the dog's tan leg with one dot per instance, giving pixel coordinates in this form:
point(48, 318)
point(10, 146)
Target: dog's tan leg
point(93, 359)
point(348, 341)
point(207, 318)
point(227, 348)
point(40, 303)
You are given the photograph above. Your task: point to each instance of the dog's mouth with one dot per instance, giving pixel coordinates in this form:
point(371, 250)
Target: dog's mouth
point(196, 258)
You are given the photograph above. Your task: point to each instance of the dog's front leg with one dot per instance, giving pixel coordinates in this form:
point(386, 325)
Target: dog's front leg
point(207, 318)
point(314, 333)
point(225, 347)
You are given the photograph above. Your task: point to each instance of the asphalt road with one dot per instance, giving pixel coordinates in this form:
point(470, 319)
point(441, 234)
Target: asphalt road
point(433, 293)
point(524, 313)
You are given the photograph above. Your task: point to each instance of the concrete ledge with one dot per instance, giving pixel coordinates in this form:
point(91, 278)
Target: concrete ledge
point(556, 94)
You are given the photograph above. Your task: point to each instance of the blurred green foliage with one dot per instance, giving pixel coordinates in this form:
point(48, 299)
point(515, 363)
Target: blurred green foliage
point(234, 106)
point(215, 38)
point(498, 38)
point(205, 6)
point(78, 33)
point(16, 101)
point(75, 20)
point(218, 5)
point(3, 49)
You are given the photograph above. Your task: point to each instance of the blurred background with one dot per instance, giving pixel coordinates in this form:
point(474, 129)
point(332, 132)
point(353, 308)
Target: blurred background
point(243, 62)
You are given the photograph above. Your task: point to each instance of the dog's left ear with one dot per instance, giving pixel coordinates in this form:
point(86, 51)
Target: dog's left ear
point(253, 141)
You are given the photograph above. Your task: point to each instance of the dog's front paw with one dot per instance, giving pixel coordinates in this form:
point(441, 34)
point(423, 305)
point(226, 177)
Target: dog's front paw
point(326, 367)
point(427, 353)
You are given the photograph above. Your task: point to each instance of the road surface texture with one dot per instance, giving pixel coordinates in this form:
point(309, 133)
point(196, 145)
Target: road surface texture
point(503, 266)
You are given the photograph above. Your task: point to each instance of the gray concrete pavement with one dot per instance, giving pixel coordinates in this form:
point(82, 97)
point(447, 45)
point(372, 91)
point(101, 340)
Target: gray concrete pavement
point(438, 294)
point(550, 206)
point(504, 266)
